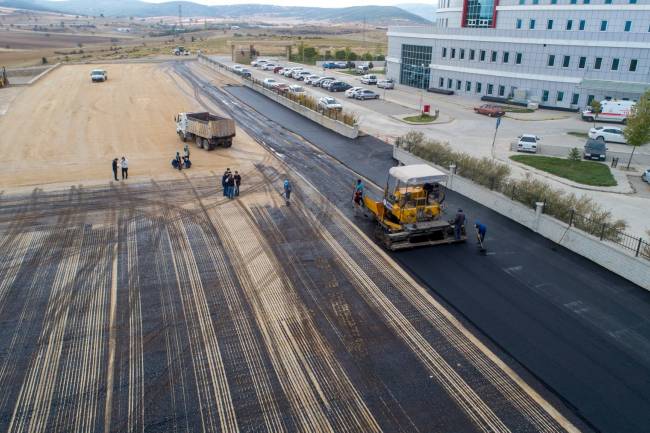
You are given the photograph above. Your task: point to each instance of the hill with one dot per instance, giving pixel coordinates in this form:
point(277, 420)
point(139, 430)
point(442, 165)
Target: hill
point(374, 15)
point(424, 10)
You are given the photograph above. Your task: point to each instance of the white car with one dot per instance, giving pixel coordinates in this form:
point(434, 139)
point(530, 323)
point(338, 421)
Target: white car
point(310, 79)
point(364, 94)
point(386, 84)
point(269, 82)
point(238, 67)
point(319, 82)
point(369, 79)
point(329, 103)
point(608, 133)
point(301, 75)
point(98, 75)
point(289, 72)
point(527, 143)
point(296, 89)
point(351, 91)
point(646, 175)
point(268, 66)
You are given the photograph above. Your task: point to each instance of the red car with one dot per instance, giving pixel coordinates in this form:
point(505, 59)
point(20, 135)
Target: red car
point(490, 110)
point(277, 69)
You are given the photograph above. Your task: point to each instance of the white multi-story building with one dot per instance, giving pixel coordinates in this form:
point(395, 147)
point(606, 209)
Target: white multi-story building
point(560, 53)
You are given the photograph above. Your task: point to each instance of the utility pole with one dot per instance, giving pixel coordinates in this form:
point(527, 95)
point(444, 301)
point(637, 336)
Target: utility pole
point(180, 15)
point(496, 128)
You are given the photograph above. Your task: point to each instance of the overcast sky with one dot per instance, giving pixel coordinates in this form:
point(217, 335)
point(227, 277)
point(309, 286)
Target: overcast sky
point(320, 3)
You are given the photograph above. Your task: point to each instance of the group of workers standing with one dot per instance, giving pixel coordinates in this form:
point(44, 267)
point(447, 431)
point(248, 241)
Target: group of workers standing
point(230, 182)
point(459, 222)
point(123, 164)
point(182, 162)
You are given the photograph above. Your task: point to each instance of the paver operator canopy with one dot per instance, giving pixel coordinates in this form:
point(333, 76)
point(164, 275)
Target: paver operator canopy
point(410, 212)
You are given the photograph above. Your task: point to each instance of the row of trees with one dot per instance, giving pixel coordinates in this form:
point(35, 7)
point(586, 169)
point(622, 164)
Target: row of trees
point(312, 54)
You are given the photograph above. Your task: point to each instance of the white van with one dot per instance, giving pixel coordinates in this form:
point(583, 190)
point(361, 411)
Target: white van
point(611, 111)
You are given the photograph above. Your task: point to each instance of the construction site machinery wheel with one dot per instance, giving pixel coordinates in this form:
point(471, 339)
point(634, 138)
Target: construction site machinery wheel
point(382, 236)
point(199, 142)
point(207, 144)
point(182, 136)
point(227, 143)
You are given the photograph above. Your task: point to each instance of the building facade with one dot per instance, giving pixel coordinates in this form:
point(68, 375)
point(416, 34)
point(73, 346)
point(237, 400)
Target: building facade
point(559, 53)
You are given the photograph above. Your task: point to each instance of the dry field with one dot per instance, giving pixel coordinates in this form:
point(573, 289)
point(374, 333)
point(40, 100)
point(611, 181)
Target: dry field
point(67, 129)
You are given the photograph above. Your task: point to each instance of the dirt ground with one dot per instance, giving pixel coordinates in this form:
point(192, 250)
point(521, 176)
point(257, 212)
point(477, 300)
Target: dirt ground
point(66, 129)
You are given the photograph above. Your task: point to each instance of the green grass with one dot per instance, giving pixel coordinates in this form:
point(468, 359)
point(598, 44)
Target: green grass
point(584, 172)
point(376, 71)
point(420, 118)
point(515, 109)
point(578, 134)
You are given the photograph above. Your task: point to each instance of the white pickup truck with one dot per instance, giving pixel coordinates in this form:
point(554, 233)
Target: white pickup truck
point(98, 75)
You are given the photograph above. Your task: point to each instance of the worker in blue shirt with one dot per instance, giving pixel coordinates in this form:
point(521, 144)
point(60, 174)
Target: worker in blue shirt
point(481, 229)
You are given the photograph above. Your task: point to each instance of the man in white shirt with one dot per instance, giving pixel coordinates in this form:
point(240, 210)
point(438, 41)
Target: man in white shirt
point(125, 168)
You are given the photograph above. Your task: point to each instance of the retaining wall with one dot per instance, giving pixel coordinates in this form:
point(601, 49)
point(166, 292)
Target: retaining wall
point(607, 255)
point(334, 125)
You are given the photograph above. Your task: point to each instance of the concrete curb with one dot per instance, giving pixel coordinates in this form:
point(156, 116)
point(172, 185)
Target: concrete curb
point(42, 74)
point(606, 254)
point(438, 121)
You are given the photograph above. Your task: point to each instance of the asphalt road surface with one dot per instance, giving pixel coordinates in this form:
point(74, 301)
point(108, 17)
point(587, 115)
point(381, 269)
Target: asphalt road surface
point(581, 330)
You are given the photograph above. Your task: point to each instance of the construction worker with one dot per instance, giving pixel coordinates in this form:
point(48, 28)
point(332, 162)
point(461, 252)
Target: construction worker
point(357, 197)
point(287, 190)
point(125, 168)
point(459, 222)
point(237, 177)
point(115, 169)
point(224, 179)
point(186, 151)
point(179, 163)
point(481, 229)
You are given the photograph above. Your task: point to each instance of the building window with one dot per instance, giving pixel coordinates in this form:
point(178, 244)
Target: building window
point(569, 24)
point(586, 1)
point(574, 2)
point(544, 95)
point(479, 13)
point(462, 54)
point(535, 2)
point(632, 2)
point(590, 99)
point(608, 2)
point(414, 70)
point(493, 56)
point(506, 57)
point(522, 2)
point(551, 60)
point(560, 96)
point(582, 62)
point(582, 25)
point(441, 82)
point(490, 89)
point(502, 90)
point(575, 98)
point(531, 24)
point(553, 2)
point(482, 55)
point(518, 23)
point(458, 84)
point(453, 53)
point(549, 25)
point(628, 26)
point(603, 25)
point(633, 64)
point(444, 52)
point(468, 86)
point(450, 83)
point(471, 54)
point(615, 64)
point(478, 87)
point(566, 61)
point(598, 62)
point(518, 58)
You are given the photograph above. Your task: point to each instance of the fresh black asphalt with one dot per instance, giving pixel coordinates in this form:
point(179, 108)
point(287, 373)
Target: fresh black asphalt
point(581, 330)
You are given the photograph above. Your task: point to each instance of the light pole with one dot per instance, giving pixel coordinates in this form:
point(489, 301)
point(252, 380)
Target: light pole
point(422, 89)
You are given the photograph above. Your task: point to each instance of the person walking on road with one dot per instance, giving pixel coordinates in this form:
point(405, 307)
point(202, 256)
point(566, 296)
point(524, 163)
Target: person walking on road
point(115, 169)
point(125, 168)
point(237, 183)
point(179, 163)
point(287, 191)
point(459, 222)
point(186, 151)
point(357, 197)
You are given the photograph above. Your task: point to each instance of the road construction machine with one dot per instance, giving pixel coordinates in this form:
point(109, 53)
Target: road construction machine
point(410, 214)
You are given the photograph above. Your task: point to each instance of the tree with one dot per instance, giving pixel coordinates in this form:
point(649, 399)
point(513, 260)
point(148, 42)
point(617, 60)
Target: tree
point(310, 52)
point(44, 60)
point(339, 54)
point(366, 56)
point(352, 56)
point(637, 129)
point(574, 154)
point(596, 109)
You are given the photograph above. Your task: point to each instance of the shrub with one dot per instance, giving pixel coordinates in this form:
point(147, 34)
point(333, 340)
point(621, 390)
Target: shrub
point(584, 213)
point(574, 154)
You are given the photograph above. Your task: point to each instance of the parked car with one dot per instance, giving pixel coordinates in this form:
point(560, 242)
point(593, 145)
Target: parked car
point(338, 86)
point(608, 133)
point(490, 110)
point(362, 69)
point(319, 82)
point(268, 66)
point(289, 71)
point(278, 69)
point(259, 63)
point(386, 84)
point(246, 73)
point(369, 79)
point(351, 91)
point(268, 82)
point(595, 149)
point(527, 143)
point(310, 79)
point(646, 175)
point(611, 111)
point(237, 68)
point(329, 103)
point(364, 94)
point(98, 75)
point(325, 83)
point(329, 65)
point(280, 87)
point(341, 65)
point(300, 76)
point(296, 89)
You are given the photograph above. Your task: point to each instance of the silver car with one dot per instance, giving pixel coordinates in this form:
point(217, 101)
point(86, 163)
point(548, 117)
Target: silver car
point(386, 84)
point(364, 94)
point(646, 175)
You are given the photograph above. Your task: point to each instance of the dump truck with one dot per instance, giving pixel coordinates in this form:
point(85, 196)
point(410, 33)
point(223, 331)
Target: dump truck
point(207, 130)
point(410, 214)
